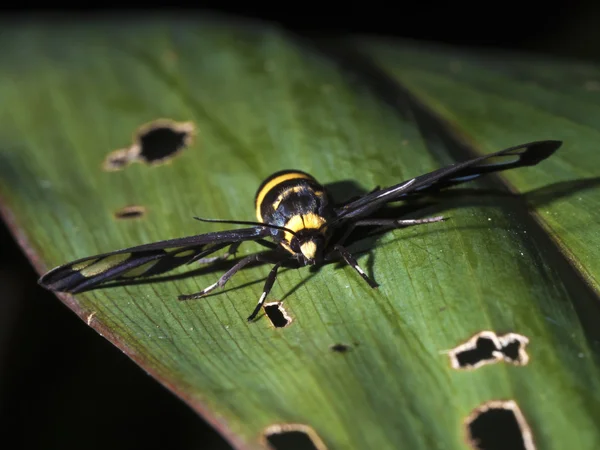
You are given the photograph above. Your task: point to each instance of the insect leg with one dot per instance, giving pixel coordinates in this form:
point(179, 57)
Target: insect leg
point(352, 262)
point(268, 285)
point(231, 251)
point(226, 276)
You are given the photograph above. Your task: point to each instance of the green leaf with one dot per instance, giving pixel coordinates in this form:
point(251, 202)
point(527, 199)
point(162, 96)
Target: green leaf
point(263, 101)
point(516, 97)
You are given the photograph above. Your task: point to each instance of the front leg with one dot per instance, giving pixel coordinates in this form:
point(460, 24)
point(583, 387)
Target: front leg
point(267, 288)
point(258, 257)
point(351, 261)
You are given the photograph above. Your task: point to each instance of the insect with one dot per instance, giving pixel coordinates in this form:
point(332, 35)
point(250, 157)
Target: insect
point(296, 221)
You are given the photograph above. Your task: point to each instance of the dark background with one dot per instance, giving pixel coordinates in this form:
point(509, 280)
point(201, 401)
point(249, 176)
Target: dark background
point(62, 385)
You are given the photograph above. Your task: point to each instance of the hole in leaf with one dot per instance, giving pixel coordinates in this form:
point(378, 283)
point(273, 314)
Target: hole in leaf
point(498, 425)
point(153, 143)
point(130, 212)
point(340, 348)
point(277, 314)
point(163, 141)
point(483, 351)
point(513, 348)
point(488, 348)
point(292, 436)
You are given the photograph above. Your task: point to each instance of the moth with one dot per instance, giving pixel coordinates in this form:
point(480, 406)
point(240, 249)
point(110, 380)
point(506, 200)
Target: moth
point(297, 223)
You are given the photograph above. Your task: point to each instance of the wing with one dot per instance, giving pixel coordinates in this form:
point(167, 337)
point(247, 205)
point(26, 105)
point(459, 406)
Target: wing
point(143, 260)
point(523, 155)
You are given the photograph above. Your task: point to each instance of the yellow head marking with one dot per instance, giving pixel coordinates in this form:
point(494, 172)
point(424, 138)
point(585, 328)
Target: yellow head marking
point(309, 249)
point(274, 182)
point(313, 221)
point(302, 222)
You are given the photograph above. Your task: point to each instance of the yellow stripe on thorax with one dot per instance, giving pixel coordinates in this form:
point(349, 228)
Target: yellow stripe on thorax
point(274, 182)
point(302, 222)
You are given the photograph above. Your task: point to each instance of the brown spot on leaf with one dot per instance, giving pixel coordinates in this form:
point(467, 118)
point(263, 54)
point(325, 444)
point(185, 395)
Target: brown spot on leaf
point(130, 212)
point(340, 348)
point(488, 348)
point(498, 424)
point(154, 143)
point(284, 436)
point(119, 159)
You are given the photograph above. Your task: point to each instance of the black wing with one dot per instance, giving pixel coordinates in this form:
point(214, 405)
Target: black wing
point(143, 260)
point(523, 155)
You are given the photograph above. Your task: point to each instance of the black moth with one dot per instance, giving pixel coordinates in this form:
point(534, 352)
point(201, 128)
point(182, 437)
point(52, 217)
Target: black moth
point(295, 213)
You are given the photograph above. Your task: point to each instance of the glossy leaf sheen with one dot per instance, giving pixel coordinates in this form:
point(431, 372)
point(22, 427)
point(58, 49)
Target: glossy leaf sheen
point(261, 102)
